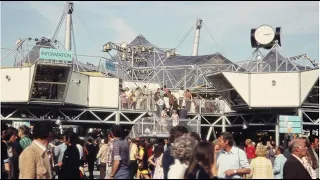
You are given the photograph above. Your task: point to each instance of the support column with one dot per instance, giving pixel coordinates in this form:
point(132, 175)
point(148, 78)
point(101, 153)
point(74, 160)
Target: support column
point(209, 133)
point(199, 124)
point(117, 117)
point(300, 114)
point(277, 133)
point(223, 124)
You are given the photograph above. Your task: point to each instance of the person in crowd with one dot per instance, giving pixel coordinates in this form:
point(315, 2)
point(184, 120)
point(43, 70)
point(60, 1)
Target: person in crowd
point(200, 166)
point(120, 154)
point(23, 132)
point(195, 136)
point(166, 102)
point(279, 163)
point(163, 120)
point(165, 146)
point(14, 150)
point(294, 168)
point(270, 152)
point(167, 159)
point(182, 151)
point(217, 151)
point(103, 154)
point(91, 157)
point(80, 146)
point(110, 155)
point(314, 140)
point(250, 150)
point(183, 113)
point(133, 166)
point(156, 160)
point(261, 167)
point(58, 152)
point(175, 118)
point(124, 100)
point(71, 161)
point(188, 99)
point(232, 162)
point(309, 161)
point(143, 161)
point(34, 161)
point(5, 166)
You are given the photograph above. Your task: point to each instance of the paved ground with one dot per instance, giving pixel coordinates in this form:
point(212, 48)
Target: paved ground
point(96, 173)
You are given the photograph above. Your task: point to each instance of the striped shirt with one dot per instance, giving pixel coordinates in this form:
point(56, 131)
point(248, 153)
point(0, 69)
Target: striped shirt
point(25, 142)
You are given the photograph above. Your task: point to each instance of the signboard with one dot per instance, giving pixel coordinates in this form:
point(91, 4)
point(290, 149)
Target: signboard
point(55, 54)
point(110, 66)
point(290, 124)
point(17, 124)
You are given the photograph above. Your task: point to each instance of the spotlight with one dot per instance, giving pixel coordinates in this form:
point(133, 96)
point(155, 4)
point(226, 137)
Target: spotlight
point(244, 125)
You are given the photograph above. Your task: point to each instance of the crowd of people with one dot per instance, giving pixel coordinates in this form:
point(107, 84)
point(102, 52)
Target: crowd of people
point(35, 154)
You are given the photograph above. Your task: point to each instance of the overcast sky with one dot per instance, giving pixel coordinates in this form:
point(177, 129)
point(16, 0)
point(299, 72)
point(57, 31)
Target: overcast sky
point(165, 23)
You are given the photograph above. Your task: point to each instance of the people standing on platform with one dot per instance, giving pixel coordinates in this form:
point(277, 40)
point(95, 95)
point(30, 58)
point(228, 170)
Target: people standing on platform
point(294, 168)
point(187, 99)
point(279, 163)
point(120, 154)
point(71, 161)
point(175, 118)
point(23, 133)
point(232, 161)
point(183, 113)
point(34, 161)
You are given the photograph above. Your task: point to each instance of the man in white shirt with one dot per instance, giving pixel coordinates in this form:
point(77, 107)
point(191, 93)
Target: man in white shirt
point(232, 162)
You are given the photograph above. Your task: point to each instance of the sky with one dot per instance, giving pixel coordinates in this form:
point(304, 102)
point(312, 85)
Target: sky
point(226, 27)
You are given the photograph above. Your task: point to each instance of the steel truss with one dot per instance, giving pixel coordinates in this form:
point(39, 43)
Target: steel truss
point(70, 115)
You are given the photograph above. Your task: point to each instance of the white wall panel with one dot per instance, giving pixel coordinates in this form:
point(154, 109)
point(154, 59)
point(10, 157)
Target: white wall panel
point(103, 92)
point(78, 93)
point(240, 81)
point(18, 88)
point(308, 79)
point(284, 94)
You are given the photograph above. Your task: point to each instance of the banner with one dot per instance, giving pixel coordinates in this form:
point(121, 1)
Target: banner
point(110, 66)
point(55, 54)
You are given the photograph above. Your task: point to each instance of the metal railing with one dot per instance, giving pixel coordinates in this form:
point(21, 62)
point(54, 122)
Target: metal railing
point(154, 126)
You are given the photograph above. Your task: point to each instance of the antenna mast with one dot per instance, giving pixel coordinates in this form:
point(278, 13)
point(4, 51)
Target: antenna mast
point(68, 11)
point(197, 38)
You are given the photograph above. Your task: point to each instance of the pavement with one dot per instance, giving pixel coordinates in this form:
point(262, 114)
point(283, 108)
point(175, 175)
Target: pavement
point(96, 173)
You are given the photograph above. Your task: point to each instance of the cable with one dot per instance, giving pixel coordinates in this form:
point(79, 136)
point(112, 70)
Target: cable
point(213, 39)
point(184, 38)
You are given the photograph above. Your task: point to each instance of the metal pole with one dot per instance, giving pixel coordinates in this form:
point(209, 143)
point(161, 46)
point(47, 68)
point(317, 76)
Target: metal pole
point(277, 132)
point(117, 117)
point(196, 38)
point(69, 10)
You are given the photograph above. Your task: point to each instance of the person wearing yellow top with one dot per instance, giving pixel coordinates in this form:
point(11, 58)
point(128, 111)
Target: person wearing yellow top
point(261, 167)
point(133, 166)
point(143, 161)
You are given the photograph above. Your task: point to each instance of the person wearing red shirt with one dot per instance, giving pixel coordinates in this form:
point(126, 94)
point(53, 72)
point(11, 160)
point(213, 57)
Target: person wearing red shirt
point(250, 150)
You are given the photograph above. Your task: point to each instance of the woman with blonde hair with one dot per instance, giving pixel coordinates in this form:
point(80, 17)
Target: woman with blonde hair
point(217, 150)
point(261, 167)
